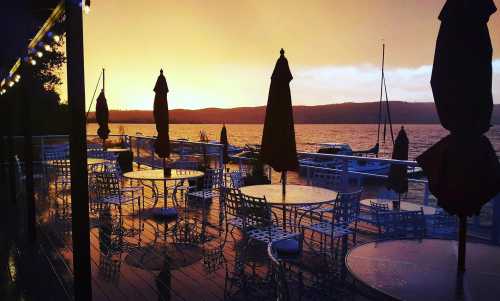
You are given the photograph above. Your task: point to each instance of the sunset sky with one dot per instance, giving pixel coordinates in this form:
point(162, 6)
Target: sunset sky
point(222, 53)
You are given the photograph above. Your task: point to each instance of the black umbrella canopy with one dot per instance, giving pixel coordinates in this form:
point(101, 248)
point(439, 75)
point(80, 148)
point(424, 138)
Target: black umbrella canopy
point(102, 116)
point(224, 141)
point(278, 140)
point(462, 168)
point(461, 74)
point(160, 112)
point(398, 174)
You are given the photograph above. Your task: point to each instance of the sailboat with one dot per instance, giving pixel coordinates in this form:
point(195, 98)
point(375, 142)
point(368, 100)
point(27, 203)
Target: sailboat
point(362, 166)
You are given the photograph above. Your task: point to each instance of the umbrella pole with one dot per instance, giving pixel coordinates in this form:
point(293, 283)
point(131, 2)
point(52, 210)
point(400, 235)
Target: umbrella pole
point(462, 232)
point(164, 185)
point(104, 144)
point(283, 183)
point(283, 190)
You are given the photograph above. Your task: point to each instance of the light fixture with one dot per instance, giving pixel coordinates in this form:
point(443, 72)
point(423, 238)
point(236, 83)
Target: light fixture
point(17, 78)
point(3, 91)
point(56, 38)
point(11, 83)
point(47, 47)
point(32, 62)
point(86, 6)
point(39, 54)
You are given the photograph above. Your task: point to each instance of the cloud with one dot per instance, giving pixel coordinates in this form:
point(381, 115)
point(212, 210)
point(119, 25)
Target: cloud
point(327, 84)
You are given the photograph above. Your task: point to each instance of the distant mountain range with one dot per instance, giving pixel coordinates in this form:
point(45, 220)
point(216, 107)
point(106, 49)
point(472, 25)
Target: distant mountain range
point(366, 112)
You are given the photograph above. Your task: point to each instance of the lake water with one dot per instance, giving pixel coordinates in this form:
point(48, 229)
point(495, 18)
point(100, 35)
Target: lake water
point(359, 136)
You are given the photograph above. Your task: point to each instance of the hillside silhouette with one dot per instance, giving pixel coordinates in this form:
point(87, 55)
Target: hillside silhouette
point(357, 113)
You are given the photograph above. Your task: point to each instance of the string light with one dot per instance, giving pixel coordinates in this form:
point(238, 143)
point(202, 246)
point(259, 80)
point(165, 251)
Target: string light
point(33, 62)
point(11, 83)
point(3, 91)
point(39, 54)
point(86, 7)
point(47, 47)
point(17, 78)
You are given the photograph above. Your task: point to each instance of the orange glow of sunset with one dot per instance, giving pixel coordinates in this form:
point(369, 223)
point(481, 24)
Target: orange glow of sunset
point(222, 53)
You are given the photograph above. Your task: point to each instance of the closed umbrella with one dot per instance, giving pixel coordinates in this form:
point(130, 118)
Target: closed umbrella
point(278, 140)
point(224, 141)
point(398, 173)
point(160, 112)
point(102, 118)
point(462, 168)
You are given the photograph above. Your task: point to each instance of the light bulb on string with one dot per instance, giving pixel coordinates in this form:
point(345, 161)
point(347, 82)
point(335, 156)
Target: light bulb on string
point(39, 54)
point(17, 78)
point(86, 6)
point(11, 83)
point(56, 38)
point(33, 62)
point(47, 47)
point(3, 91)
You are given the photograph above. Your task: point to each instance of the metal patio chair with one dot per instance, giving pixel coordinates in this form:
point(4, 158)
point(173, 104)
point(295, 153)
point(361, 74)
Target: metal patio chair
point(401, 224)
point(261, 224)
point(343, 220)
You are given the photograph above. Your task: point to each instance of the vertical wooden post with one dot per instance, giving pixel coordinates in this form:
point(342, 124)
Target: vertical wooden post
point(495, 232)
point(78, 152)
point(462, 236)
point(10, 151)
point(27, 84)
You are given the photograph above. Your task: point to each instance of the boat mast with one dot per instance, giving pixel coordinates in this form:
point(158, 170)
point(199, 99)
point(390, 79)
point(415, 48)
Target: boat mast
point(387, 113)
point(381, 94)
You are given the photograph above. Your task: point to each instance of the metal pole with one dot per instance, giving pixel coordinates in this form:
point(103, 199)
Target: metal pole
point(10, 151)
point(27, 84)
point(78, 152)
point(495, 233)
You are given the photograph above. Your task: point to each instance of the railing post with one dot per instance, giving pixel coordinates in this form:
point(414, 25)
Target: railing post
point(221, 157)
point(426, 193)
point(308, 175)
point(138, 152)
point(345, 174)
point(28, 151)
point(495, 232)
point(152, 155)
point(78, 153)
point(10, 152)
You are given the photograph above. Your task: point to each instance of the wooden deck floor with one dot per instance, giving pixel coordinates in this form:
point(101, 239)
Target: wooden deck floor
point(138, 257)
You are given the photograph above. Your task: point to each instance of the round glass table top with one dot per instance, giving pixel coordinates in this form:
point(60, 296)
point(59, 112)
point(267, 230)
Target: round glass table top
point(427, 269)
point(405, 206)
point(296, 195)
point(157, 174)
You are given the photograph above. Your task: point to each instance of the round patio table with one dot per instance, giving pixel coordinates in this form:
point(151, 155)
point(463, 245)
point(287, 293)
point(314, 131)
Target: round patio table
point(296, 195)
point(405, 206)
point(426, 270)
point(155, 175)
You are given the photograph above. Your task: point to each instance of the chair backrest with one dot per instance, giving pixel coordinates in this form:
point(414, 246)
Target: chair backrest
point(443, 224)
point(258, 212)
point(107, 184)
point(401, 224)
point(327, 180)
point(346, 207)
point(231, 199)
point(236, 178)
point(62, 168)
point(55, 152)
point(213, 179)
point(375, 207)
